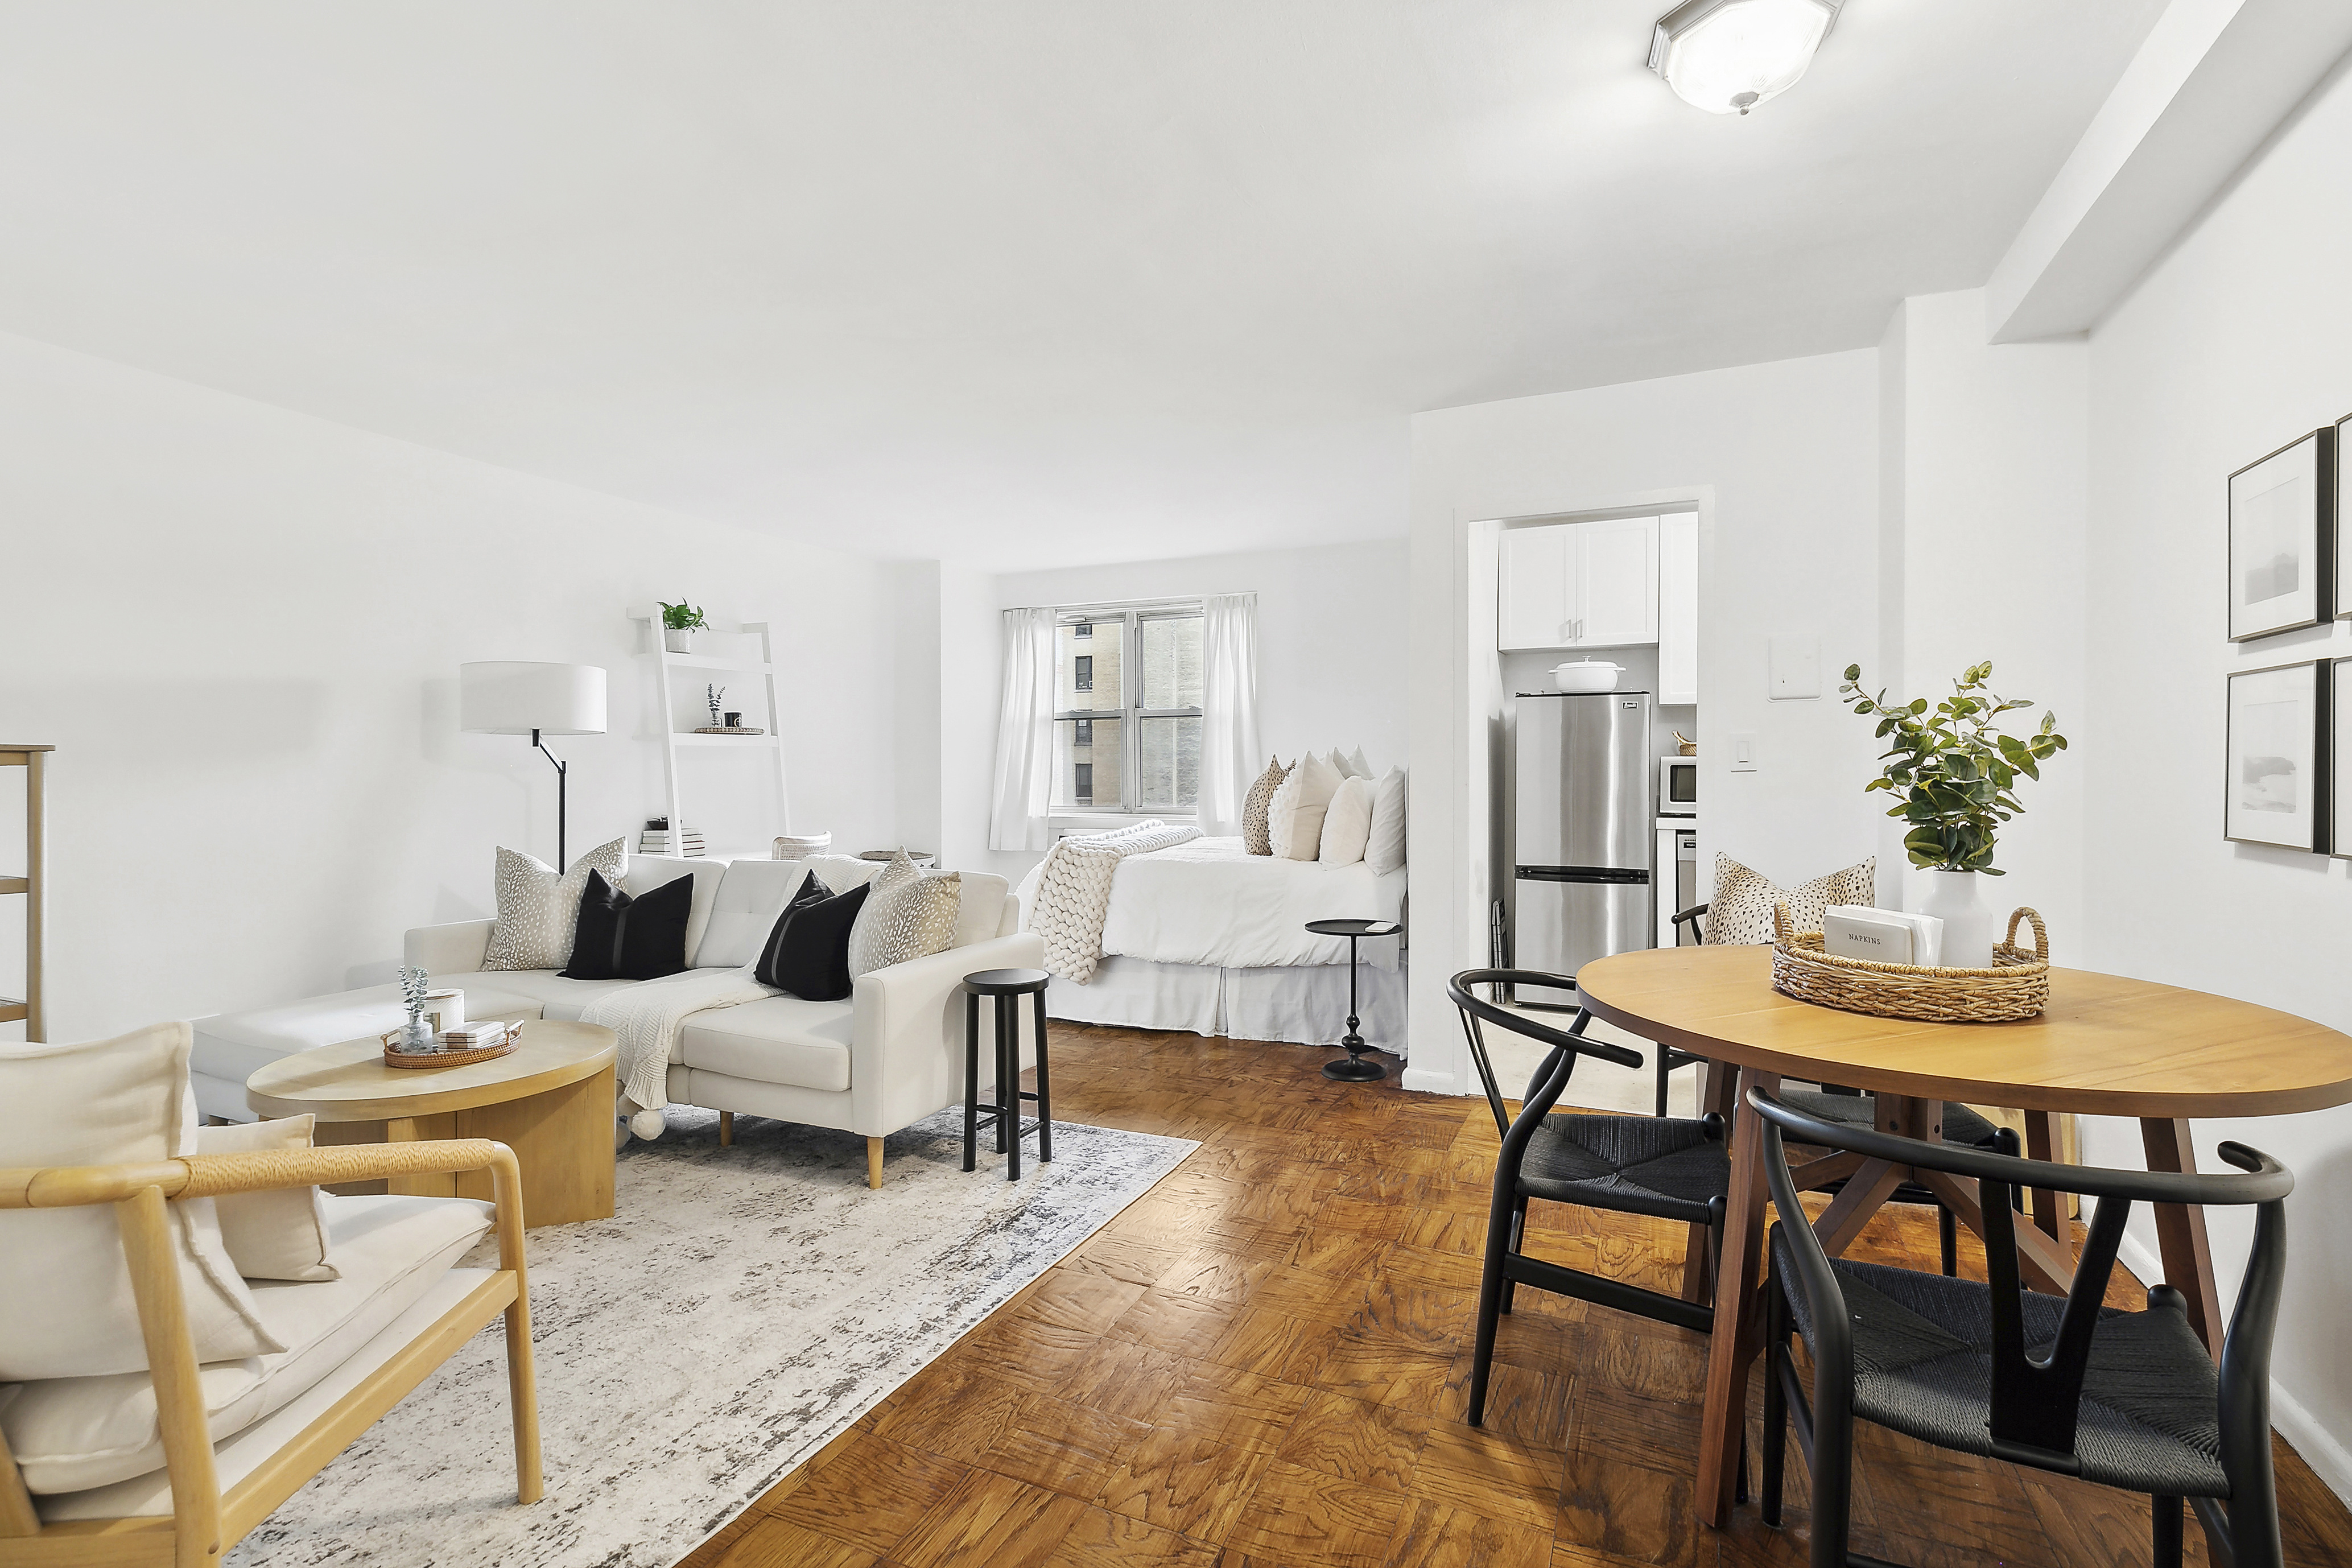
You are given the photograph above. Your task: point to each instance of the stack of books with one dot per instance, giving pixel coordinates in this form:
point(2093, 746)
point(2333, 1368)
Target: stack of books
point(475, 1036)
point(665, 841)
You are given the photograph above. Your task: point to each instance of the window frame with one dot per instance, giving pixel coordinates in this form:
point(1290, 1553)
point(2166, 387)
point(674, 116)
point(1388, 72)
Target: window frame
point(1130, 711)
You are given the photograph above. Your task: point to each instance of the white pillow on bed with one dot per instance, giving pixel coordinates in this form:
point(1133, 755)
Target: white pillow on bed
point(1293, 818)
point(1357, 768)
point(1346, 823)
point(1384, 846)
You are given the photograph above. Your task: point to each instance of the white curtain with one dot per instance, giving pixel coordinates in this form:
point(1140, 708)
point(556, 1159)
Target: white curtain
point(1229, 758)
point(1024, 734)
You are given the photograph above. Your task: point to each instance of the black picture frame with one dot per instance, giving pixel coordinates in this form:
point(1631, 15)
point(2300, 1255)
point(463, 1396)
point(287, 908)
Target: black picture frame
point(2288, 807)
point(2340, 567)
point(2298, 545)
point(2339, 740)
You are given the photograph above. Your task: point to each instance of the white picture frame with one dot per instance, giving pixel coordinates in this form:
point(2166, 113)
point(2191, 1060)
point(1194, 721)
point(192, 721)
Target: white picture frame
point(2276, 758)
point(2282, 538)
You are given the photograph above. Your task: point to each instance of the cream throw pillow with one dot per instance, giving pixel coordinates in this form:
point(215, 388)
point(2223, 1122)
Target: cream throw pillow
point(1295, 818)
point(277, 1235)
point(1355, 766)
point(1347, 824)
point(1741, 910)
point(538, 909)
point(1384, 846)
point(66, 1306)
point(1255, 839)
point(906, 915)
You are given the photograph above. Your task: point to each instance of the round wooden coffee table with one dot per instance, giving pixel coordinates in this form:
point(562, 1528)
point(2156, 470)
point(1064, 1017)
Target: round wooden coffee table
point(2107, 1045)
point(550, 1101)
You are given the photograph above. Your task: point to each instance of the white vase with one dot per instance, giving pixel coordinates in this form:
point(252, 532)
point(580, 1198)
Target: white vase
point(1970, 926)
point(677, 641)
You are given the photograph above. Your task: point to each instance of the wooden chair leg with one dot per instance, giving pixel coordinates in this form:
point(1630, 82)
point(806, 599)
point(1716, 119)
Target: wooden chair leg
point(1519, 1242)
point(1776, 1401)
point(726, 1130)
point(1501, 1231)
point(522, 1371)
point(873, 1162)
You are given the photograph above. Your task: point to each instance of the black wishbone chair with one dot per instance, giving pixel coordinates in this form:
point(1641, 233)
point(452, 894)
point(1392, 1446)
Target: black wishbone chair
point(1667, 1168)
point(2127, 1399)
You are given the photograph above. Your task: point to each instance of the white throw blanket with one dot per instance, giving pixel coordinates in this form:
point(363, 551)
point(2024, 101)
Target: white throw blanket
point(1074, 891)
point(648, 1018)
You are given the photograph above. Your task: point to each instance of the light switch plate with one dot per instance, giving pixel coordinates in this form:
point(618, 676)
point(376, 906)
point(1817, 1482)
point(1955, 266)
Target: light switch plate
point(1796, 670)
point(1743, 751)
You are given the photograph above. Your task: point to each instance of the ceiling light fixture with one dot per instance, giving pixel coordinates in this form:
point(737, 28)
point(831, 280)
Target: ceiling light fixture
point(1729, 56)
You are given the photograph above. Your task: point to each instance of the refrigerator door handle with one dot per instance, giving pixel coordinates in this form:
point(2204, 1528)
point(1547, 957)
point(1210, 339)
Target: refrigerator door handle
point(1635, 875)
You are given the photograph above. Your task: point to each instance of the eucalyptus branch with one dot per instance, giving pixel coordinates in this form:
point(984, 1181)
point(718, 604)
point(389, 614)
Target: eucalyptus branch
point(1954, 771)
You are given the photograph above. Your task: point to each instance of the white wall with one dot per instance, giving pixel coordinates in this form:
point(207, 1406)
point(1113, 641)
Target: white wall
point(1332, 644)
point(241, 627)
point(1782, 462)
point(1984, 486)
point(2237, 342)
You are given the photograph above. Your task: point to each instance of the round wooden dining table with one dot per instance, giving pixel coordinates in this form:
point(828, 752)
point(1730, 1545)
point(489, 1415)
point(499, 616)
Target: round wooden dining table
point(2105, 1046)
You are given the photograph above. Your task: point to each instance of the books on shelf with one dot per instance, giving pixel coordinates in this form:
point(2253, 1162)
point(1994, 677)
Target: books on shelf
point(663, 841)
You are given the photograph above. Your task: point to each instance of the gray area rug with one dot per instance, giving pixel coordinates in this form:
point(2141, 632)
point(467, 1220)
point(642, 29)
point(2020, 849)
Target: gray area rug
point(742, 1307)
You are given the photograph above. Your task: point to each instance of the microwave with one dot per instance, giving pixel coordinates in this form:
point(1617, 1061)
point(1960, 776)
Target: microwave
point(1677, 786)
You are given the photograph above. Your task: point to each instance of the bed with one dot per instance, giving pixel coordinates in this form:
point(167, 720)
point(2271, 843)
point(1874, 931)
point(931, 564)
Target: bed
point(1206, 937)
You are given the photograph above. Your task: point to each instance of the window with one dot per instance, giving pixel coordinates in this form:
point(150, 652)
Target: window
point(1128, 709)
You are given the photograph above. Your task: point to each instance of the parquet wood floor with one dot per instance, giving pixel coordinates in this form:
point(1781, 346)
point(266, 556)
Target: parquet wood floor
point(1264, 1363)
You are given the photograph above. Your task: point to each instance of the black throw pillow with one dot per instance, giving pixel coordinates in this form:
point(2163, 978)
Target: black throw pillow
point(621, 938)
point(808, 952)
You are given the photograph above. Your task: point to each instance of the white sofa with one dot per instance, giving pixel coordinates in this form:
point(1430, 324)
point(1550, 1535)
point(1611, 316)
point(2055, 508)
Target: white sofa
point(890, 1056)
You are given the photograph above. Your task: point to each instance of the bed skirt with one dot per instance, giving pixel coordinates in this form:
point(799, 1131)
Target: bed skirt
point(1302, 1003)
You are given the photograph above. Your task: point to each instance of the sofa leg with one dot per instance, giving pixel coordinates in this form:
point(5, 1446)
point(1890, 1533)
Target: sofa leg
point(874, 1162)
point(726, 1130)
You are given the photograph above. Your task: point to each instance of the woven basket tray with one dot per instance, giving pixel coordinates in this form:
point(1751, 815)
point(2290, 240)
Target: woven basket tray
point(394, 1058)
point(2016, 986)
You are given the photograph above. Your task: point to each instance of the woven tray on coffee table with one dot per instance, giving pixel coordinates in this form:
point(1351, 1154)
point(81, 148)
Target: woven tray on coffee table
point(2016, 986)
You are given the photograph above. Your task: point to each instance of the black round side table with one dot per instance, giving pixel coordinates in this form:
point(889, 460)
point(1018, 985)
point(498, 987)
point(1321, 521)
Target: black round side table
point(1355, 1069)
point(1008, 986)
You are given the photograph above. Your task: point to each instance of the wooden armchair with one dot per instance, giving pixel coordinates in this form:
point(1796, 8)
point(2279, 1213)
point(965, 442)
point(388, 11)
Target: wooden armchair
point(206, 1520)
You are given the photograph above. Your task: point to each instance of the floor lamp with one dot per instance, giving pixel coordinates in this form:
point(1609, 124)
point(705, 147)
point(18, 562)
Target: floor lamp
point(516, 698)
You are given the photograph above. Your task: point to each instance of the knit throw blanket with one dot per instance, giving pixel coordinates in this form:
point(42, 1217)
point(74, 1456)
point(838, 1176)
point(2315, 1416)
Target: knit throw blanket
point(1074, 891)
point(647, 1016)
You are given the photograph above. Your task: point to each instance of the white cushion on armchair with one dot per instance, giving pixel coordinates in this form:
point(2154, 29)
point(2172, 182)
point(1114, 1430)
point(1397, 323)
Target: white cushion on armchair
point(70, 1433)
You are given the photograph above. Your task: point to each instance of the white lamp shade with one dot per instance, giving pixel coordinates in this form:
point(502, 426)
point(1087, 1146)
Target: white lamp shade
point(1729, 56)
point(514, 698)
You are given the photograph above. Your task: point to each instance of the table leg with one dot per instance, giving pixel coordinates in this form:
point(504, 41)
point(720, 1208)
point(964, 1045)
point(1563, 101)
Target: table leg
point(1863, 1194)
point(417, 1129)
point(2180, 1231)
point(2049, 1209)
point(1738, 1327)
point(1717, 1082)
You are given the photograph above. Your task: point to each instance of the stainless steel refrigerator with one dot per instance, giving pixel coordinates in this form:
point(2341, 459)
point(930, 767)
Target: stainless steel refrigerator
point(1581, 771)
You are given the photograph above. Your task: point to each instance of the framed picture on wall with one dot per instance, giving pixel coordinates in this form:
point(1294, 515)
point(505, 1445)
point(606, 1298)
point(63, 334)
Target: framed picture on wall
point(2343, 573)
point(2277, 754)
point(2282, 539)
point(2339, 768)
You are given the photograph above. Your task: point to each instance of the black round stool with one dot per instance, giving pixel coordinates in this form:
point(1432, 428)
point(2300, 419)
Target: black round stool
point(1008, 986)
point(1355, 1069)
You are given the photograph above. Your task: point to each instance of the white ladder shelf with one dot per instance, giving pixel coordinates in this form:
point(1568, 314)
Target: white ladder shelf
point(669, 665)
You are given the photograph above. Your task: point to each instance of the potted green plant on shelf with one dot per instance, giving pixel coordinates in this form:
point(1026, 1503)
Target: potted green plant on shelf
point(1955, 776)
point(679, 623)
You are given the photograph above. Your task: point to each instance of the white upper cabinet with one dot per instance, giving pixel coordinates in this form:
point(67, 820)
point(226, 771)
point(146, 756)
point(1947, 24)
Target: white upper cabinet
point(1678, 608)
point(1535, 609)
point(1578, 585)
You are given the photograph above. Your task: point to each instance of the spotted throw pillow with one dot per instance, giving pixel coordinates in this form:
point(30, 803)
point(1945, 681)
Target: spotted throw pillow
point(538, 910)
point(1741, 910)
point(907, 915)
point(1254, 838)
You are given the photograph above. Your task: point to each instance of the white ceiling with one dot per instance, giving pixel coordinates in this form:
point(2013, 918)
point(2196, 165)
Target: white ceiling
point(1016, 282)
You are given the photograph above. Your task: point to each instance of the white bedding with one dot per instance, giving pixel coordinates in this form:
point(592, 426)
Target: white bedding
point(1209, 901)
